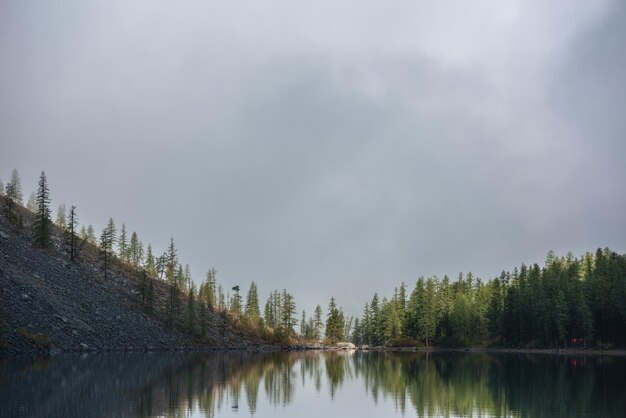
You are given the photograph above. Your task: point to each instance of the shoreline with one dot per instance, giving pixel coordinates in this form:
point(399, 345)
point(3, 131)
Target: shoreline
point(301, 348)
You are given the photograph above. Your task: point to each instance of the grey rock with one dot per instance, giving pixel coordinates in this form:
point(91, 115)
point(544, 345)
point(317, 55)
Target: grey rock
point(83, 346)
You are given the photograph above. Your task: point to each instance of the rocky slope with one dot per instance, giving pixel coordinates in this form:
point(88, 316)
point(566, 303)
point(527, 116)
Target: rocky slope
point(50, 303)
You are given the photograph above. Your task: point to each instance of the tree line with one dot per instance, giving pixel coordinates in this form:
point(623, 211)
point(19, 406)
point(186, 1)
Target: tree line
point(567, 302)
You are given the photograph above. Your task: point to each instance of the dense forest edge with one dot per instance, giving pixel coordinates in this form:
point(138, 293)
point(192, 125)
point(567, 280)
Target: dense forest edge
point(569, 302)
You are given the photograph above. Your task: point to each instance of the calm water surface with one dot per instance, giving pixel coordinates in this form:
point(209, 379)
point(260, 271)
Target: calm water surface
point(313, 384)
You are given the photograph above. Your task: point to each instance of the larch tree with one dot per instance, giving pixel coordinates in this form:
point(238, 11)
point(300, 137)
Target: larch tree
point(122, 244)
point(61, 215)
point(187, 282)
point(18, 195)
point(31, 204)
point(42, 230)
point(91, 234)
point(150, 265)
point(210, 289)
point(83, 233)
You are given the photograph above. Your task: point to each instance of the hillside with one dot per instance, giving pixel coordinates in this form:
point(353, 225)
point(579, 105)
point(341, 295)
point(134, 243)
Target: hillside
point(48, 303)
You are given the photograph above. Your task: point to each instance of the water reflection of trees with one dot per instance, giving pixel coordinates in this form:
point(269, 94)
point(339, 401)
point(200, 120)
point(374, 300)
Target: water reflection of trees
point(444, 384)
point(495, 385)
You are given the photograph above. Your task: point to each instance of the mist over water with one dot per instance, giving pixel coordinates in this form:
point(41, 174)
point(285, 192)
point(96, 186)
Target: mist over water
point(313, 384)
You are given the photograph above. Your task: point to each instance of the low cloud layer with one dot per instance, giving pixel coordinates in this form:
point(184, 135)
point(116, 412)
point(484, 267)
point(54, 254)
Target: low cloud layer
point(330, 149)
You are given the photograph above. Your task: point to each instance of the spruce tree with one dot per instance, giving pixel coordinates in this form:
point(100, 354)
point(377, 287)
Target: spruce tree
point(42, 225)
point(171, 261)
point(334, 323)
point(107, 241)
point(191, 314)
point(71, 238)
point(150, 265)
point(252, 311)
point(143, 284)
point(10, 211)
point(303, 324)
point(150, 296)
point(202, 314)
point(135, 250)
point(288, 314)
point(318, 324)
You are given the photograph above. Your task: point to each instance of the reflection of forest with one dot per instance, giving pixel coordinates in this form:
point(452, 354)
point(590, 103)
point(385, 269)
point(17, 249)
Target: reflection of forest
point(443, 384)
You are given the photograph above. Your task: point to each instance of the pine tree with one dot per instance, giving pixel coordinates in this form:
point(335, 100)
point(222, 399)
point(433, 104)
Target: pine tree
point(61, 215)
point(1, 189)
point(71, 238)
point(107, 241)
point(235, 303)
point(42, 225)
point(17, 194)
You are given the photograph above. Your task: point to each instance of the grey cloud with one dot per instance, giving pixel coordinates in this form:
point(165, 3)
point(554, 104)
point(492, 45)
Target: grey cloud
point(337, 161)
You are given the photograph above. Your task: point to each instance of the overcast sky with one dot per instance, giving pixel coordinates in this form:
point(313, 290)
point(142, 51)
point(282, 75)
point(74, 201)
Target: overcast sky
point(330, 148)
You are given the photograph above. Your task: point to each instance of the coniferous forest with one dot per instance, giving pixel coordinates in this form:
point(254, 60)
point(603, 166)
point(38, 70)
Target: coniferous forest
point(568, 301)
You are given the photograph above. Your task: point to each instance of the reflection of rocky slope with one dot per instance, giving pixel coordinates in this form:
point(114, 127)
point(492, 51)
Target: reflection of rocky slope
point(138, 384)
point(74, 307)
point(88, 385)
